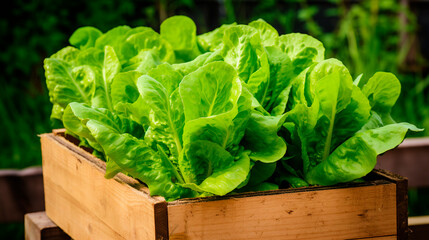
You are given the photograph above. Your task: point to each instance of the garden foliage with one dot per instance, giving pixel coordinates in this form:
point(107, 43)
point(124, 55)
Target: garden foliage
point(236, 109)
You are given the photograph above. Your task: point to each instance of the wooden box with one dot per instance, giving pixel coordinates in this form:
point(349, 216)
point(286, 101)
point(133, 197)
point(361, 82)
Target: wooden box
point(87, 206)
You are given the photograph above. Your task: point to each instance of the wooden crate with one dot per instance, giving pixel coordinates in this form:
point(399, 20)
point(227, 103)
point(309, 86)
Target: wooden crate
point(87, 206)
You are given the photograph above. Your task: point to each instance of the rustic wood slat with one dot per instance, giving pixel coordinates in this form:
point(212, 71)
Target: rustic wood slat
point(21, 192)
point(39, 227)
point(348, 213)
point(405, 158)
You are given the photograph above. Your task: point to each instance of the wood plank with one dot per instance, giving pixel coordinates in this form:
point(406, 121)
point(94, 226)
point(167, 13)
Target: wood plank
point(59, 131)
point(347, 213)
point(85, 204)
point(21, 192)
point(402, 207)
point(401, 200)
point(419, 220)
point(414, 142)
point(39, 227)
point(404, 159)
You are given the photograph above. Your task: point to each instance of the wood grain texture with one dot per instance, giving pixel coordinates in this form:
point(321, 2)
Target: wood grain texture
point(402, 208)
point(378, 238)
point(85, 204)
point(401, 200)
point(39, 227)
point(348, 213)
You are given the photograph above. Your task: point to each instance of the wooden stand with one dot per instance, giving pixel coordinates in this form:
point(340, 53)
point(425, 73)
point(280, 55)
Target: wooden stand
point(39, 227)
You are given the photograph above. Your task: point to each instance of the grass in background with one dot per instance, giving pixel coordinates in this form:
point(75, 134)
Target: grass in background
point(30, 32)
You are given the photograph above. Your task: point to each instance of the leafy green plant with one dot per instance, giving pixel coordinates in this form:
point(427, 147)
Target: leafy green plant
point(30, 32)
point(377, 35)
point(198, 115)
point(368, 36)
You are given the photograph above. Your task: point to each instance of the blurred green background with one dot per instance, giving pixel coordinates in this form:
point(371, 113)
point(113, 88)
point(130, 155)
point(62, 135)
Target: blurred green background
point(367, 35)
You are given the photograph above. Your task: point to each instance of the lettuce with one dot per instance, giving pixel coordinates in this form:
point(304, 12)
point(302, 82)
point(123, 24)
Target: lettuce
point(236, 109)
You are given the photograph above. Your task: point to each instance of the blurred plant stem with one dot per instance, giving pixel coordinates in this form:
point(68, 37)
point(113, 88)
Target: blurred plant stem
point(162, 9)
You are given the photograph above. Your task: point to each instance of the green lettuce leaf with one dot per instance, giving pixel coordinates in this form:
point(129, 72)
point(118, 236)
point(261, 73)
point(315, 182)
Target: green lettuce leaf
point(213, 89)
point(188, 67)
point(181, 33)
point(225, 178)
point(85, 37)
point(269, 35)
point(302, 49)
point(241, 46)
point(116, 38)
point(262, 140)
point(338, 111)
point(126, 98)
point(110, 68)
point(357, 156)
point(76, 116)
point(148, 40)
point(66, 82)
point(138, 160)
point(159, 93)
point(142, 62)
point(260, 173)
point(265, 186)
point(281, 75)
point(210, 41)
point(382, 91)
